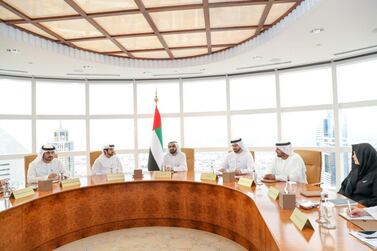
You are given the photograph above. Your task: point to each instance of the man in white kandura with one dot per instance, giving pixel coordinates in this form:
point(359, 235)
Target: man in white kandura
point(174, 160)
point(287, 165)
point(107, 162)
point(45, 166)
point(239, 160)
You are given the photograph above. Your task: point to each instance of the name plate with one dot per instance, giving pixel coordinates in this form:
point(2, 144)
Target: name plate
point(115, 177)
point(208, 176)
point(24, 192)
point(273, 193)
point(70, 182)
point(159, 175)
point(246, 182)
point(300, 220)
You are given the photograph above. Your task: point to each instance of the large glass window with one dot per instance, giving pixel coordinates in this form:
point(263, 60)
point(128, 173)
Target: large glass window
point(306, 87)
point(168, 97)
point(65, 135)
point(252, 92)
point(263, 161)
point(75, 165)
point(357, 81)
point(13, 169)
point(309, 128)
point(209, 161)
point(171, 131)
point(328, 176)
point(204, 95)
point(119, 132)
point(60, 98)
point(205, 131)
point(358, 125)
point(255, 129)
point(110, 98)
point(15, 136)
point(15, 96)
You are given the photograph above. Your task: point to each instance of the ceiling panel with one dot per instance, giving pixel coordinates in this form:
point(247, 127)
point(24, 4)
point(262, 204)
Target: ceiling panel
point(138, 43)
point(151, 54)
point(100, 45)
point(179, 20)
point(42, 8)
point(186, 39)
point(7, 15)
point(96, 6)
point(69, 29)
point(164, 3)
point(178, 53)
point(34, 29)
point(236, 16)
point(125, 24)
point(231, 37)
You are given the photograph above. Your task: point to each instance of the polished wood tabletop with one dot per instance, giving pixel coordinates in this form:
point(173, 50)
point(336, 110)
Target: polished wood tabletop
point(248, 216)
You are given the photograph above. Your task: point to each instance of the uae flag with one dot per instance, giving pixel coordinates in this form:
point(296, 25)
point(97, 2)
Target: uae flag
point(156, 152)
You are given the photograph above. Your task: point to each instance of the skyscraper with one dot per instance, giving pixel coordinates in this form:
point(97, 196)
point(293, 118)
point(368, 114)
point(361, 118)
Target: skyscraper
point(63, 144)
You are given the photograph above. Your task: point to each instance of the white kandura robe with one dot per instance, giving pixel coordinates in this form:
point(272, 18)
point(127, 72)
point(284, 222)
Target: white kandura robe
point(105, 165)
point(176, 161)
point(39, 170)
point(293, 167)
point(242, 162)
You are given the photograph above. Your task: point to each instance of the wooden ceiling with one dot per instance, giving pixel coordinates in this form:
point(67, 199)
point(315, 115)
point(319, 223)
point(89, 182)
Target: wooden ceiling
point(147, 29)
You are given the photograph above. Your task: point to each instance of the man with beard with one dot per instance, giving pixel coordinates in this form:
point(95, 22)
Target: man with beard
point(287, 165)
point(239, 160)
point(45, 166)
point(107, 162)
point(174, 160)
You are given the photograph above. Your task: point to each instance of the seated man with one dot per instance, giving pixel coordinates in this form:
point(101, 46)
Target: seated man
point(107, 162)
point(287, 165)
point(239, 160)
point(45, 166)
point(174, 160)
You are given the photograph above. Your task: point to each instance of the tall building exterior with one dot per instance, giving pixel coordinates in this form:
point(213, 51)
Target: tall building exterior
point(63, 144)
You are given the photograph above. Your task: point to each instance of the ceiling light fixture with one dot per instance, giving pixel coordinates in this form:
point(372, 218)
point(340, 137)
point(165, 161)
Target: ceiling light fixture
point(13, 50)
point(316, 30)
point(87, 67)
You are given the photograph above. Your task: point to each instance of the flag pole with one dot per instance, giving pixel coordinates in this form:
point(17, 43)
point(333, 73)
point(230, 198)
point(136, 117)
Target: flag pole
point(156, 98)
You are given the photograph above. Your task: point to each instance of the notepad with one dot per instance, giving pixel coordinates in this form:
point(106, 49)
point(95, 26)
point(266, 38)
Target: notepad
point(343, 202)
point(363, 218)
point(367, 237)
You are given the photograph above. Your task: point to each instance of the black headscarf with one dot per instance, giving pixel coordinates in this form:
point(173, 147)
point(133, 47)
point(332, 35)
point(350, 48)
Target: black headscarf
point(367, 157)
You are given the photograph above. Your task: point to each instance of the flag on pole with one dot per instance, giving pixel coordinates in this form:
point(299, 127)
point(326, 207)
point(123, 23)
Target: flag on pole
point(156, 152)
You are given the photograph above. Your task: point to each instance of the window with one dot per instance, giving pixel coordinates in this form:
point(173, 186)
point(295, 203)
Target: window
point(263, 161)
point(206, 161)
point(171, 131)
point(255, 129)
point(15, 96)
point(204, 95)
point(328, 176)
point(65, 135)
point(15, 136)
point(13, 169)
point(345, 161)
point(252, 92)
point(75, 165)
point(306, 87)
point(168, 97)
point(206, 131)
point(111, 98)
point(358, 125)
point(309, 128)
point(357, 81)
point(119, 132)
point(60, 98)
point(128, 162)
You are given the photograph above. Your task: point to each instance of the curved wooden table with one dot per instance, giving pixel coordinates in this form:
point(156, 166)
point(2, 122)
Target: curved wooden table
point(245, 215)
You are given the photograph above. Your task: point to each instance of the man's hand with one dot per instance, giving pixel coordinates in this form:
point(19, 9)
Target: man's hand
point(269, 177)
point(53, 176)
point(357, 212)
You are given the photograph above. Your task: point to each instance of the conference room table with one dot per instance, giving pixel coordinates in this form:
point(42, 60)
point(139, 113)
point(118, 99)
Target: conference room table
point(246, 215)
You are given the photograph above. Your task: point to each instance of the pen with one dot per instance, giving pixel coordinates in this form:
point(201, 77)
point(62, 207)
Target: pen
point(349, 207)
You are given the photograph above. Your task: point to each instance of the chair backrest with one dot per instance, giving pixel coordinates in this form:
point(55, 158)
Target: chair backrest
point(313, 163)
point(190, 158)
point(252, 154)
point(27, 160)
point(93, 156)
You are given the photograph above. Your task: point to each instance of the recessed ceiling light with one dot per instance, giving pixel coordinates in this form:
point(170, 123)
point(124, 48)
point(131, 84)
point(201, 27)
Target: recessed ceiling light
point(87, 67)
point(318, 45)
point(316, 30)
point(203, 69)
point(30, 62)
point(13, 50)
point(257, 58)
